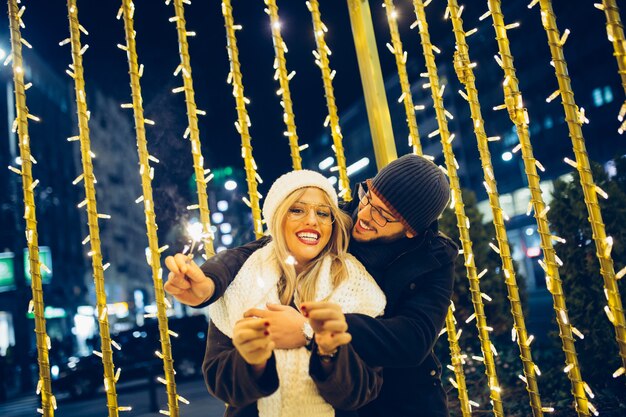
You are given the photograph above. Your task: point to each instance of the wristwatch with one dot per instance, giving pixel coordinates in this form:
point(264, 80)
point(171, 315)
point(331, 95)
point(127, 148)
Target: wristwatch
point(307, 332)
point(326, 357)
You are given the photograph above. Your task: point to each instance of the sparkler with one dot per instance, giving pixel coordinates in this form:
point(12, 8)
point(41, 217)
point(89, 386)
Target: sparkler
point(195, 232)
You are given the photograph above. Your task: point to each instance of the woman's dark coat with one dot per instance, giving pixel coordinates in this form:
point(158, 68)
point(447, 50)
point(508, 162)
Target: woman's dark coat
point(349, 386)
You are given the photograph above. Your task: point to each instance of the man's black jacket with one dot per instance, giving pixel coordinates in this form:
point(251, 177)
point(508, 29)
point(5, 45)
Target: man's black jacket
point(418, 286)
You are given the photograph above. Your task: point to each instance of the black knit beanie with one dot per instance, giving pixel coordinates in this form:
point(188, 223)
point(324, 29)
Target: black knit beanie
point(414, 189)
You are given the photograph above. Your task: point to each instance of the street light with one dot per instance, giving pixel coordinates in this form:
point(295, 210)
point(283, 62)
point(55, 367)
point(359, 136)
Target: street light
point(230, 185)
point(217, 217)
point(225, 228)
point(222, 205)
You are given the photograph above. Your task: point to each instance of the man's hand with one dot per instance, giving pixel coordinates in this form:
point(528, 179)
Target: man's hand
point(186, 281)
point(252, 340)
point(329, 324)
point(286, 325)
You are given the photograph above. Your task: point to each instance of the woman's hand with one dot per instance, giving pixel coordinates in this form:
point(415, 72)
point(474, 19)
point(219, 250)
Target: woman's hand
point(286, 324)
point(329, 324)
point(186, 281)
point(252, 340)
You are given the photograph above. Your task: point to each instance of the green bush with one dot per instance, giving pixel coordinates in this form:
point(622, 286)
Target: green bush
point(498, 316)
point(583, 287)
point(492, 283)
point(582, 282)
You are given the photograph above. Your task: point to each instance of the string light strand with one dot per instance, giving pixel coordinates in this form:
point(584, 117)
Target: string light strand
point(457, 364)
point(322, 60)
point(519, 116)
point(465, 72)
point(193, 132)
point(615, 34)
point(400, 56)
point(243, 120)
point(459, 208)
point(284, 77)
point(92, 211)
point(590, 190)
point(44, 387)
point(151, 225)
point(455, 350)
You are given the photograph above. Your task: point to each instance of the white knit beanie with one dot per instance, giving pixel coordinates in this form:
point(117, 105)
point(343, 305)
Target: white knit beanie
point(290, 182)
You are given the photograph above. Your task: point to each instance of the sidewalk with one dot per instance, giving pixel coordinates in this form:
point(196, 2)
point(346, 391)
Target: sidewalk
point(201, 403)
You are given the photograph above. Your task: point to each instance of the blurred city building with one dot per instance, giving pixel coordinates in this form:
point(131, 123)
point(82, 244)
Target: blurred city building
point(69, 293)
point(231, 218)
point(597, 88)
point(55, 199)
point(124, 240)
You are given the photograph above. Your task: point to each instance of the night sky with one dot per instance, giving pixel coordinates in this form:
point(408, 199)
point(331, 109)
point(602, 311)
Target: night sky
point(106, 67)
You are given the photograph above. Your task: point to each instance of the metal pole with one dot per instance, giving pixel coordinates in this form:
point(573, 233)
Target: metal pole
point(372, 79)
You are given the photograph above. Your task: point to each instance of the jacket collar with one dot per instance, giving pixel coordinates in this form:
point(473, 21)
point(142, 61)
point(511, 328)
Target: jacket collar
point(433, 252)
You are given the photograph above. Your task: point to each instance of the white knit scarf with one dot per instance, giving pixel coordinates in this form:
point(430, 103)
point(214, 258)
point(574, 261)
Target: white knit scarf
point(254, 286)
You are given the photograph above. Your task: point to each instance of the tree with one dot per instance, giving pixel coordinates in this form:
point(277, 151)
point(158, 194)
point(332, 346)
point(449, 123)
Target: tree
point(497, 311)
point(582, 281)
point(492, 283)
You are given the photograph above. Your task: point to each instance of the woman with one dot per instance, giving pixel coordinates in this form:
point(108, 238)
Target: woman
point(305, 264)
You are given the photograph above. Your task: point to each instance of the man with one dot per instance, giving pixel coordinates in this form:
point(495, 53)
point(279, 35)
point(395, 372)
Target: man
point(395, 236)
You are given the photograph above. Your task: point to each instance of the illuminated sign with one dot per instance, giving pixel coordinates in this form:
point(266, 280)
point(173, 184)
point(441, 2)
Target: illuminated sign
point(45, 258)
point(7, 271)
point(119, 309)
point(50, 313)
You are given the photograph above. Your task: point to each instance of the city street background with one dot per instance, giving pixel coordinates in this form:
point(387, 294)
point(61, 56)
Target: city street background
point(201, 403)
point(69, 292)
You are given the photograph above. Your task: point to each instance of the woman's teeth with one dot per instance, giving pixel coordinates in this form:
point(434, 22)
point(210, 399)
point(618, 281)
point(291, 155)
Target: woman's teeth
point(311, 237)
point(364, 226)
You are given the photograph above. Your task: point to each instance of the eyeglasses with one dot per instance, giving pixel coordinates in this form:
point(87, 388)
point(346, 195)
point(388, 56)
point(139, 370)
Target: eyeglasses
point(301, 209)
point(376, 213)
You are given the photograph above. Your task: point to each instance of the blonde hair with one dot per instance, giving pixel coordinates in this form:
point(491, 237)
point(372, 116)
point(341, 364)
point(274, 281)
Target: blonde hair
point(301, 286)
